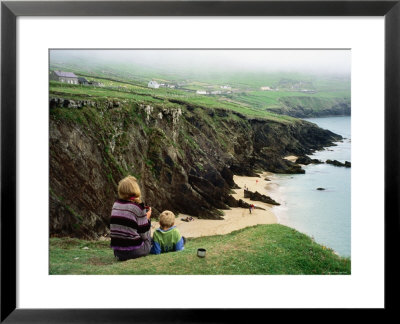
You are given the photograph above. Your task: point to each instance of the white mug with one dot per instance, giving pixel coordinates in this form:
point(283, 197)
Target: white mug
point(201, 253)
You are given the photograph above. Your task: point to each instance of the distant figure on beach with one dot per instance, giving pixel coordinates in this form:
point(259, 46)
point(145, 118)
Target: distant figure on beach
point(167, 237)
point(130, 222)
point(256, 181)
point(245, 188)
point(251, 208)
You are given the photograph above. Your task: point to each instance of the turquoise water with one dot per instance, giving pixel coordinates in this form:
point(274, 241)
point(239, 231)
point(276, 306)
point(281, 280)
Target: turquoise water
point(324, 215)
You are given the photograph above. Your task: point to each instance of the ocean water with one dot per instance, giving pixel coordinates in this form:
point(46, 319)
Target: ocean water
point(324, 215)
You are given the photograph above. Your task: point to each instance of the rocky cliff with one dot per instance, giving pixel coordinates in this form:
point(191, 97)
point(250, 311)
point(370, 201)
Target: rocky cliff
point(184, 157)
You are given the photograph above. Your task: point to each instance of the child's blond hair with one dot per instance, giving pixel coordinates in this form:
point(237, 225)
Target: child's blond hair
point(167, 219)
point(128, 188)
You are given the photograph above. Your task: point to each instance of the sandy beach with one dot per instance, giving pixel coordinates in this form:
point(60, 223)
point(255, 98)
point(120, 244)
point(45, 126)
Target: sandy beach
point(291, 158)
point(235, 218)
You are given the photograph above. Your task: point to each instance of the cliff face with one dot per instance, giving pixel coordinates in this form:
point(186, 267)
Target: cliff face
point(183, 156)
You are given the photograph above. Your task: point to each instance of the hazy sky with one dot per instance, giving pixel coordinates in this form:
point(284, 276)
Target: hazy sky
point(315, 61)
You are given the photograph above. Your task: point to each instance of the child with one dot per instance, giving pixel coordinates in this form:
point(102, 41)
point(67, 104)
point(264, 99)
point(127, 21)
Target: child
point(167, 238)
point(130, 222)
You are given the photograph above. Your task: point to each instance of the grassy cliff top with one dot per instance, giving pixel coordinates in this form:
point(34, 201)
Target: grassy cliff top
point(118, 90)
point(262, 249)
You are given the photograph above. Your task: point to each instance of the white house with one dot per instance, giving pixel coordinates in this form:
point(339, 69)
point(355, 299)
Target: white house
point(67, 77)
point(266, 88)
point(153, 84)
point(201, 92)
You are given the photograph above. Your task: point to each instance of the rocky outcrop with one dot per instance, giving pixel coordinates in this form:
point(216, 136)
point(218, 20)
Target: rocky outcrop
point(307, 160)
point(184, 157)
point(256, 196)
point(346, 164)
point(232, 202)
point(79, 104)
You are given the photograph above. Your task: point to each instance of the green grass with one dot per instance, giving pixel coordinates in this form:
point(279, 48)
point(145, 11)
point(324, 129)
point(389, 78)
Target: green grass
point(160, 96)
point(273, 99)
point(262, 249)
point(124, 82)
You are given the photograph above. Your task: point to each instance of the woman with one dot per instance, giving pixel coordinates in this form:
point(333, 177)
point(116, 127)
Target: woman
point(130, 222)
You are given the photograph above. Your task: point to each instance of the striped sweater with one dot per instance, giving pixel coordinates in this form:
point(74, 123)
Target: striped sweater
point(128, 223)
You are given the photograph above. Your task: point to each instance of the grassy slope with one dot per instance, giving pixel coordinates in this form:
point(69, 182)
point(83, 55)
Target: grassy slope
point(247, 95)
point(272, 99)
point(328, 90)
point(127, 91)
point(262, 249)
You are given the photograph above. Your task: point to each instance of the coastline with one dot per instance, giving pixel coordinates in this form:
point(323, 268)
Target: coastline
point(234, 218)
point(266, 183)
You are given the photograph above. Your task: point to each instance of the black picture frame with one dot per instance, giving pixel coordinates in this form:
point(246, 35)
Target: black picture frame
point(10, 10)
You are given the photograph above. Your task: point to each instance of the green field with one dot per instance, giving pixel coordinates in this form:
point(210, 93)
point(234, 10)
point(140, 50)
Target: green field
point(161, 96)
point(268, 99)
point(262, 249)
point(129, 81)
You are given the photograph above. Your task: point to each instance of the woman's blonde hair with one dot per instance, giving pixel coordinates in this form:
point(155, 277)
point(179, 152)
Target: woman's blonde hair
point(128, 188)
point(167, 219)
